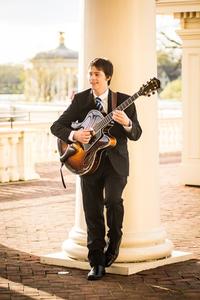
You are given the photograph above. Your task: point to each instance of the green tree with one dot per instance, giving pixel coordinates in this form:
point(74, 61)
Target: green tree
point(169, 65)
point(11, 79)
point(172, 90)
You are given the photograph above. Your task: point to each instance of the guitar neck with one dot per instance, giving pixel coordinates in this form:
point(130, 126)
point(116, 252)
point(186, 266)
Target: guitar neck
point(108, 118)
point(145, 90)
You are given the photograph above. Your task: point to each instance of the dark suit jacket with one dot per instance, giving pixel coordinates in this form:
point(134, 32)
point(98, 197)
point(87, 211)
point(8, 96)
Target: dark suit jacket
point(84, 102)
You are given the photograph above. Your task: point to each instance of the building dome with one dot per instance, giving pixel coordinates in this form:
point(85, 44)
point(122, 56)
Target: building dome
point(52, 75)
point(60, 52)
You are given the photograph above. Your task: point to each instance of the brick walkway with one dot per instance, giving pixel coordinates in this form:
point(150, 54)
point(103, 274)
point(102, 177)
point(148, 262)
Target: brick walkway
point(35, 218)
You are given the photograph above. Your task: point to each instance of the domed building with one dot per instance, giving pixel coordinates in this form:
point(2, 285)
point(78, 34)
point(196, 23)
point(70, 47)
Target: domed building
point(52, 75)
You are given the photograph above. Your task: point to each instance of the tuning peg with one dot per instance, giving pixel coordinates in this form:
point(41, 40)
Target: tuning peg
point(153, 92)
point(148, 95)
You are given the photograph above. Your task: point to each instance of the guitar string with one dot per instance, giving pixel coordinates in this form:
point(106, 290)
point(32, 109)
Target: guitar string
point(108, 118)
point(103, 123)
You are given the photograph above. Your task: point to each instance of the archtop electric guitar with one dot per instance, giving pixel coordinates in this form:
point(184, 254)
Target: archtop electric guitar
point(85, 158)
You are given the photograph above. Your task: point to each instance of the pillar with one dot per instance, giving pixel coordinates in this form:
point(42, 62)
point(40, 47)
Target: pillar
point(4, 161)
point(26, 155)
point(190, 35)
point(124, 32)
point(17, 154)
point(13, 161)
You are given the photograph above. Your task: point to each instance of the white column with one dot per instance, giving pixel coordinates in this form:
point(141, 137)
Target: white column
point(4, 161)
point(124, 32)
point(13, 161)
point(17, 155)
point(75, 245)
point(26, 155)
point(190, 35)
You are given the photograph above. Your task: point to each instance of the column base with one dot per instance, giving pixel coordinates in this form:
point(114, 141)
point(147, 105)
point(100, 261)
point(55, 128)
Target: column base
point(61, 259)
point(134, 248)
point(190, 172)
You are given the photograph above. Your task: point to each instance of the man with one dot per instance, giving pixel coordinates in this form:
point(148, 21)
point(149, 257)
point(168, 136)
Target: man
point(106, 184)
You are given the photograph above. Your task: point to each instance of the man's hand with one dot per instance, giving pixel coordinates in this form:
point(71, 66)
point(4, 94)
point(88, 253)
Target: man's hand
point(83, 135)
point(120, 117)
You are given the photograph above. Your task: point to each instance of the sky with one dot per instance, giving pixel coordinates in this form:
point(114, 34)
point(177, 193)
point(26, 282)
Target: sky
point(168, 25)
point(31, 26)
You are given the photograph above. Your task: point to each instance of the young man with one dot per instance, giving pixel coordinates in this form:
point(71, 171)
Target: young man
point(106, 184)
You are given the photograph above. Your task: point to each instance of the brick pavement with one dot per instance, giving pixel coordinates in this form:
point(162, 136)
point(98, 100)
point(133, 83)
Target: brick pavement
point(35, 218)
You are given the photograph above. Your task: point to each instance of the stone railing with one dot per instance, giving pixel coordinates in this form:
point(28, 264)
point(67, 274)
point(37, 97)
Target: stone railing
point(17, 155)
point(28, 143)
point(22, 146)
point(170, 135)
point(44, 143)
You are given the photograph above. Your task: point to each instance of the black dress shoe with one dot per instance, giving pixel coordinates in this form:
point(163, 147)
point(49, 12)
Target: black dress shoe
point(110, 258)
point(97, 272)
point(112, 253)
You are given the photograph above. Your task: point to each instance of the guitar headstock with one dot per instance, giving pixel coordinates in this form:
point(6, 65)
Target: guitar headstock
point(150, 87)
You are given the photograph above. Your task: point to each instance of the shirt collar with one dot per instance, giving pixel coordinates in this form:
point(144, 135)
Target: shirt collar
point(102, 96)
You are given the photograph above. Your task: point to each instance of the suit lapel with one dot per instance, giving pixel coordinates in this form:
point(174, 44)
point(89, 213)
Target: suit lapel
point(91, 100)
point(88, 102)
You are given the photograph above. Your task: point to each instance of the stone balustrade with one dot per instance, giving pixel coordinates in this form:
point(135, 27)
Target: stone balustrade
point(17, 157)
point(170, 135)
point(44, 143)
point(28, 143)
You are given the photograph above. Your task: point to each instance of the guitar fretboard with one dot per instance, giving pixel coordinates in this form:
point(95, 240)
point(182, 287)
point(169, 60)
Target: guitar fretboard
point(108, 118)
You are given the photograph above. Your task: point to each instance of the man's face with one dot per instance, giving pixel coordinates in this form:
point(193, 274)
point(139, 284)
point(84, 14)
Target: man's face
point(97, 80)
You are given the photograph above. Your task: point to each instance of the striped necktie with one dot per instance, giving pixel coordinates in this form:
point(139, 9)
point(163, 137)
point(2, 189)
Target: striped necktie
point(99, 105)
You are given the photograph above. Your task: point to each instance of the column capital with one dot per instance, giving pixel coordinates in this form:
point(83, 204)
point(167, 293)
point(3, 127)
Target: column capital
point(190, 28)
point(189, 20)
point(173, 6)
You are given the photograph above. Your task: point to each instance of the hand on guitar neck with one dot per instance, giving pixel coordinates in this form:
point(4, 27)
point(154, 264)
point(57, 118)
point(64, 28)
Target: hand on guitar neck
point(121, 117)
point(83, 135)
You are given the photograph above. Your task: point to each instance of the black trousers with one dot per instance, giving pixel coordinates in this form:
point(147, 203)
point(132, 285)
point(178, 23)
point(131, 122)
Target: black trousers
point(102, 188)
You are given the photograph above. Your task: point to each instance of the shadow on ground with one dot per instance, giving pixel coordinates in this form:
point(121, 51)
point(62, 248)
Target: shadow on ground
point(22, 276)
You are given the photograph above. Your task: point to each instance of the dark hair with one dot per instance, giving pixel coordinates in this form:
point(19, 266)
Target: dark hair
point(103, 64)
